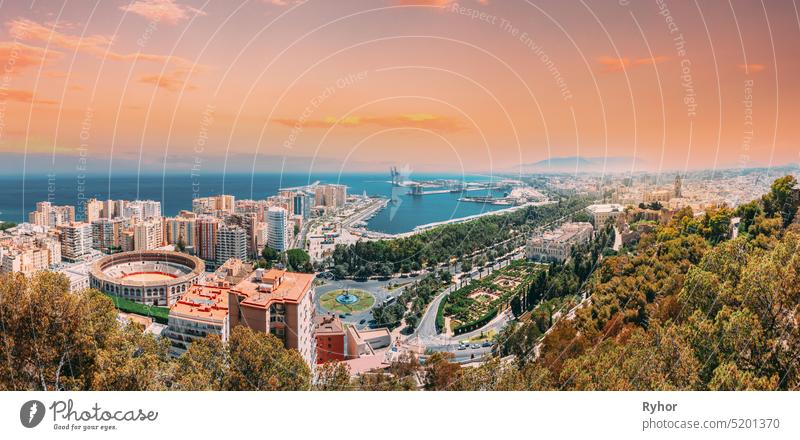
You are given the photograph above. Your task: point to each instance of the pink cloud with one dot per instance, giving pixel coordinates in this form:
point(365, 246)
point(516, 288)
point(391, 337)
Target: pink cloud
point(166, 11)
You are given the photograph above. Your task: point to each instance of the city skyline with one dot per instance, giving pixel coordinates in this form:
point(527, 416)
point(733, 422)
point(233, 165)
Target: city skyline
point(471, 86)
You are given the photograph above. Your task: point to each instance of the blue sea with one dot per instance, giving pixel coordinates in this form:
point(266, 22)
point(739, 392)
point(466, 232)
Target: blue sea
point(18, 196)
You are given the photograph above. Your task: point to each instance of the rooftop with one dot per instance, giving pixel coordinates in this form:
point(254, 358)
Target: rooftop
point(566, 232)
point(328, 324)
point(608, 207)
point(203, 302)
point(261, 289)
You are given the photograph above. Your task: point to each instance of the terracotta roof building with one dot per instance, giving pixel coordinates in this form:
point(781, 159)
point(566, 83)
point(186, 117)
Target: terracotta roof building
point(330, 339)
point(278, 302)
point(201, 311)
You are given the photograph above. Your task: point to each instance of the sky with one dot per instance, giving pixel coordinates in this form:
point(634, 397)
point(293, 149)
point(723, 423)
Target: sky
point(110, 86)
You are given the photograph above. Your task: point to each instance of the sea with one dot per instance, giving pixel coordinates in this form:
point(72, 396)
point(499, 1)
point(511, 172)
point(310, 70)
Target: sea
point(18, 195)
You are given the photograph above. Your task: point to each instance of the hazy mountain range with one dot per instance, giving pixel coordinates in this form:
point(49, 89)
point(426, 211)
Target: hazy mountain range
point(586, 164)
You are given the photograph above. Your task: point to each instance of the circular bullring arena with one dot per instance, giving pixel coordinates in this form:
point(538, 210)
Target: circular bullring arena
point(156, 278)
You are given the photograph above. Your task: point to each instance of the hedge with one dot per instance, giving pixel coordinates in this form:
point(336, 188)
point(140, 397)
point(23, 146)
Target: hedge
point(440, 315)
point(159, 314)
point(478, 323)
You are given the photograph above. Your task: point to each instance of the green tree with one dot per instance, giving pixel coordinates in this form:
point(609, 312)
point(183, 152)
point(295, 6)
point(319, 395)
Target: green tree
point(203, 367)
point(333, 376)
point(298, 260)
point(259, 362)
point(270, 255)
point(782, 199)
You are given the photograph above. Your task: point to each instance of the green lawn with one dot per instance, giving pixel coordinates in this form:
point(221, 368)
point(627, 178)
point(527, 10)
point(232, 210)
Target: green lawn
point(159, 314)
point(365, 301)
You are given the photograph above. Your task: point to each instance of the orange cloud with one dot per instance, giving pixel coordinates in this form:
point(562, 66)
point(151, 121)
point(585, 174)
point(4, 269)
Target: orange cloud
point(54, 74)
point(16, 57)
point(752, 68)
point(612, 64)
point(26, 96)
point(161, 10)
point(417, 120)
point(97, 45)
point(172, 81)
point(30, 30)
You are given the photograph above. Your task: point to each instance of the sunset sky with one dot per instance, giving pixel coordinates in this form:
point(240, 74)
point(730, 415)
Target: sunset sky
point(477, 85)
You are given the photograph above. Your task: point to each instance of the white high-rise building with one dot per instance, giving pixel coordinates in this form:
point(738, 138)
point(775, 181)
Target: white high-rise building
point(76, 240)
point(142, 209)
point(276, 229)
point(231, 243)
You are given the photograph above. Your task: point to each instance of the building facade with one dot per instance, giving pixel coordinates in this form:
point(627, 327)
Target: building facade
point(278, 302)
point(231, 243)
point(276, 229)
point(76, 240)
point(201, 311)
point(556, 245)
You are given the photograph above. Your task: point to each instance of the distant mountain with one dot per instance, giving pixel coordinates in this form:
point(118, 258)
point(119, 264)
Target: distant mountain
point(581, 164)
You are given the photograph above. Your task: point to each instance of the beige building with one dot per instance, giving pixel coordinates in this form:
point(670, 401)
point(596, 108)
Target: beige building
point(278, 302)
point(147, 235)
point(331, 196)
point(107, 234)
point(556, 245)
point(364, 342)
point(181, 230)
point(601, 213)
point(214, 205)
point(47, 214)
point(93, 210)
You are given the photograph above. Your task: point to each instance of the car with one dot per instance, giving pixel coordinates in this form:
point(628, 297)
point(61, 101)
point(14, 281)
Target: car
point(487, 344)
point(474, 346)
point(362, 321)
point(462, 347)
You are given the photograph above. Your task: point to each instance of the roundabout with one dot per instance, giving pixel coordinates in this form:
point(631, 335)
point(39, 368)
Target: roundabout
point(347, 300)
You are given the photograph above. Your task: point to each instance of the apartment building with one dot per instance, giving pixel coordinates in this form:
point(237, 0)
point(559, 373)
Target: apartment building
point(231, 243)
point(76, 240)
point(148, 235)
point(332, 196)
point(206, 235)
point(214, 205)
point(276, 229)
point(107, 234)
point(278, 302)
point(181, 230)
point(201, 311)
point(330, 338)
point(47, 214)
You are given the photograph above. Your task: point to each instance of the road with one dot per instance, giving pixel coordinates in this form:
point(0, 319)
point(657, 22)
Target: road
point(426, 331)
